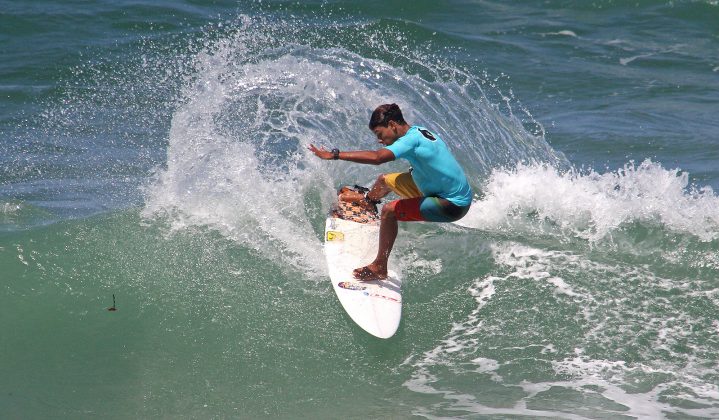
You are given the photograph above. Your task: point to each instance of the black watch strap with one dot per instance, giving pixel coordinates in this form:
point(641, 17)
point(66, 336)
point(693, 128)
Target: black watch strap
point(335, 154)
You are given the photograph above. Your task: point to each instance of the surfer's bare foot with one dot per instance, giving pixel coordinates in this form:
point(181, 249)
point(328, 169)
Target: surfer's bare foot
point(370, 272)
point(351, 196)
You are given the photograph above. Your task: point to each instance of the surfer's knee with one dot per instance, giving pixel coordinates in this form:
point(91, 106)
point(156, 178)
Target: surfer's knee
point(380, 181)
point(388, 210)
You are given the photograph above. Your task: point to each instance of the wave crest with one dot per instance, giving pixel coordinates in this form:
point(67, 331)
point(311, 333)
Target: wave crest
point(593, 206)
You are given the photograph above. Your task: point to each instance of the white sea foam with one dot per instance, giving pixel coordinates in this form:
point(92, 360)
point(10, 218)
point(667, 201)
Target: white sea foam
point(627, 60)
point(565, 32)
point(10, 208)
point(523, 263)
point(624, 308)
point(657, 50)
point(603, 381)
point(412, 261)
point(593, 205)
point(536, 264)
point(610, 375)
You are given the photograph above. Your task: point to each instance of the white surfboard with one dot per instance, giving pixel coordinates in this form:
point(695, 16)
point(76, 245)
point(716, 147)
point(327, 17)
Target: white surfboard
point(351, 242)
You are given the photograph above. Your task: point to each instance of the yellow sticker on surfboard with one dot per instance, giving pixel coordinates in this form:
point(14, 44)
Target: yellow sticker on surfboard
point(333, 235)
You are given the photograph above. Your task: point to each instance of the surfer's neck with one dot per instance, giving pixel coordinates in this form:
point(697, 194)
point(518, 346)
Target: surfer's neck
point(402, 129)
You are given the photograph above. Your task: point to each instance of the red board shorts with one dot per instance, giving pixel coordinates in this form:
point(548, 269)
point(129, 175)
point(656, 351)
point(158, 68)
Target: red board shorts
point(413, 207)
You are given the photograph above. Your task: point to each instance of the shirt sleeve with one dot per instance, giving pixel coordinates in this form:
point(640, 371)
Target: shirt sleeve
point(402, 147)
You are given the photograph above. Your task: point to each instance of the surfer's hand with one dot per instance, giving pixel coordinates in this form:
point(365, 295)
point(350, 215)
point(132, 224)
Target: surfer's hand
point(322, 153)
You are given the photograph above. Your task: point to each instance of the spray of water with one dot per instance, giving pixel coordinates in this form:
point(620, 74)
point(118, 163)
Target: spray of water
point(237, 158)
point(540, 199)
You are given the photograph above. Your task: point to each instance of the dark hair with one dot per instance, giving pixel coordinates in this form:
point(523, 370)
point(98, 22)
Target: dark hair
point(383, 114)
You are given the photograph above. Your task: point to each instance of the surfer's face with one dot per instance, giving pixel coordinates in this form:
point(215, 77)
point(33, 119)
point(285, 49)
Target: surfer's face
point(387, 135)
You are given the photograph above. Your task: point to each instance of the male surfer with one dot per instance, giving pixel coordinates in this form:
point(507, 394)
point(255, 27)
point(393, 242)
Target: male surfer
point(434, 190)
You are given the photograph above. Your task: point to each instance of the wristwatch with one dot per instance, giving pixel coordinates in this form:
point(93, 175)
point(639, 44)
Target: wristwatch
point(335, 154)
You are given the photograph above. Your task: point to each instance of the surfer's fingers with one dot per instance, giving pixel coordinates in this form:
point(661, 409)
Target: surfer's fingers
point(321, 152)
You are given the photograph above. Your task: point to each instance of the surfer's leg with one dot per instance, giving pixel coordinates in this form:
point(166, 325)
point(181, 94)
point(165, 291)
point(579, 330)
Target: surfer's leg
point(387, 234)
point(388, 228)
point(379, 190)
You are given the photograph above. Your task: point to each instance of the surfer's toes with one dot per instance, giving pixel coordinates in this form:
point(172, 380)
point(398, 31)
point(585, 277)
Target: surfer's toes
point(367, 274)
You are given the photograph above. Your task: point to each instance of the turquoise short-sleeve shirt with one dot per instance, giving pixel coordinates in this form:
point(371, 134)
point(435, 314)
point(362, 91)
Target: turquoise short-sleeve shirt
point(435, 171)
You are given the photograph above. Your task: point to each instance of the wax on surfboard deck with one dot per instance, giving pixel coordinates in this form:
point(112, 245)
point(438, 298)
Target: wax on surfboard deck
point(351, 240)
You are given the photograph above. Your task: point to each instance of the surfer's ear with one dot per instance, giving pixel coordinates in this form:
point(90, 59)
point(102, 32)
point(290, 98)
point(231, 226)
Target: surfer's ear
point(393, 126)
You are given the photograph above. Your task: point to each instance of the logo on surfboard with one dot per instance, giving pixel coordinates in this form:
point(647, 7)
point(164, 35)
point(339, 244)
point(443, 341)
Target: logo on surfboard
point(333, 235)
point(351, 286)
point(361, 288)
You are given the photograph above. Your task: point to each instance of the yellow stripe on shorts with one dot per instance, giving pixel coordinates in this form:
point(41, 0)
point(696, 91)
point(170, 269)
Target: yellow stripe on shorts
point(402, 184)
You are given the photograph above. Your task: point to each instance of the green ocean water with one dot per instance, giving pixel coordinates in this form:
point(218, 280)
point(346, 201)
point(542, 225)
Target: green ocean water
point(156, 151)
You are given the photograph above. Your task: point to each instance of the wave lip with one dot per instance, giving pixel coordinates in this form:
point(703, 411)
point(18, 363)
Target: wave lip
point(592, 206)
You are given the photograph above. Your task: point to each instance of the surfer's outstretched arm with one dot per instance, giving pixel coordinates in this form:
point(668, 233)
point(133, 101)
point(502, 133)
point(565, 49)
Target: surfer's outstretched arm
point(370, 157)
